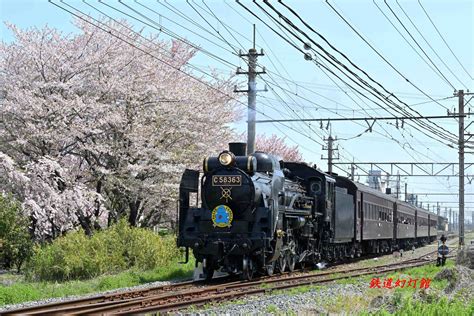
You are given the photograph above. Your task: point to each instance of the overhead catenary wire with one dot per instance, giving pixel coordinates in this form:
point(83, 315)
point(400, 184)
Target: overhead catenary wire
point(429, 45)
point(273, 91)
point(319, 63)
point(161, 60)
point(391, 138)
point(437, 71)
point(280, 16)
point(229, 65)
point(378, 53)
point(444, 41)
point(232, 47)
point(322, 37)
point(274, 31)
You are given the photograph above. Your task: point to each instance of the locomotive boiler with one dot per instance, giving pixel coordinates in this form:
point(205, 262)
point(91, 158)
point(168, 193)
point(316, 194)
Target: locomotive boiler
point(250, 215)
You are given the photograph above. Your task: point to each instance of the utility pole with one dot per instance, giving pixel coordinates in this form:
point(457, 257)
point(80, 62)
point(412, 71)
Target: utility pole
point(461, 167)
point(330, 148)
point(352, 172)
point(406, 192)
point(461, 143)
point(438, 209)
point(398, 185)
point(451, 219)
point(456, 221)
point(251, 92)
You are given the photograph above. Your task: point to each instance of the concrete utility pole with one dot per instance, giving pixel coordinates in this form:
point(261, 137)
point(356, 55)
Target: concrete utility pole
point(456, 221)
point(398, 185)
point(252, 92)
point(406, 192)
point(451, 219)
point(330, 148)
point(461, 167)
point(352, 172)
point(330, 140)
point(438, 209)
point(461, 143)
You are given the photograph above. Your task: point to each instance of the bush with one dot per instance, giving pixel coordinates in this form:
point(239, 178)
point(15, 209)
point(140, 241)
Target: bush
point(121, 247)
point(15, 242)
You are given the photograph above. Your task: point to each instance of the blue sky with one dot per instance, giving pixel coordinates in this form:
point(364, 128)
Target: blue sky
point(301, 88)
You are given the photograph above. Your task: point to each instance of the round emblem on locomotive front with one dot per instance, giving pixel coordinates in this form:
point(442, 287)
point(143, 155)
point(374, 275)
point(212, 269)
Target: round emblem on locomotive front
point(222, 216)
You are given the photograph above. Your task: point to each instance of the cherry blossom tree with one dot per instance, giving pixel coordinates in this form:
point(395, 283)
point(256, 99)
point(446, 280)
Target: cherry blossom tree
point(277, 146)
point(99, 129)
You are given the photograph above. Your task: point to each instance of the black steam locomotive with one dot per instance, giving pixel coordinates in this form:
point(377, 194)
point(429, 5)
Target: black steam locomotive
point(258, 214)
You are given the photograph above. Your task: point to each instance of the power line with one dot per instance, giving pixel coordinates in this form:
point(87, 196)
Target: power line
point(378, 53)
point(367, 119)
point(151, 55)
point(383, 99)
point(446, 43)
point(241, 45)
point(329, 77)
point(438, 72)
point(336, 84)
point(429, 45)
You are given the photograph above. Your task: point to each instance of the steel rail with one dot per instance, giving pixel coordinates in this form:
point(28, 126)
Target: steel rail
point(113, 300)
point(163, 303)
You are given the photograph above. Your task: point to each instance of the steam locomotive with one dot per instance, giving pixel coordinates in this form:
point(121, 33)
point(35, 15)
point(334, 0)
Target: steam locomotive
point(261, 215)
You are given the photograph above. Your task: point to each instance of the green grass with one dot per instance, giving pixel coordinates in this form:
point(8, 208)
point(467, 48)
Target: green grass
point(28, 291)
point(401, 301)
point(434, 301)
point(272, 309)
point(407, 307)
point(345, 304)
point(427, 271)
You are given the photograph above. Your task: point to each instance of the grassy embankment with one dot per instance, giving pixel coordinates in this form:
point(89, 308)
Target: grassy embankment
point(407, 300)
point(23, 290)
point(75, 264)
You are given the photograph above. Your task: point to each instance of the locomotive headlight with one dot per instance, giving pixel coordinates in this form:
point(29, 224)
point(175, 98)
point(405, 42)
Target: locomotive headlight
point(226, 158)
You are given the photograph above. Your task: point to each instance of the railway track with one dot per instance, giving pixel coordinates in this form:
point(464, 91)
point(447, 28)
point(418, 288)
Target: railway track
point(181, 295)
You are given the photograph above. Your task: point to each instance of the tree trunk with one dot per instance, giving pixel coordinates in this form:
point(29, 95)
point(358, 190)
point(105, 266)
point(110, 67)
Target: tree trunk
point(133, 217)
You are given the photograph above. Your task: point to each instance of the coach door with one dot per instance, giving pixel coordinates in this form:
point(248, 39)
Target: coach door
point(395, 220)
point(360, 215)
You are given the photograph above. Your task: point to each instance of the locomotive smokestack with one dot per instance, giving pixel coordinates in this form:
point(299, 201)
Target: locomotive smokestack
point(238, 149)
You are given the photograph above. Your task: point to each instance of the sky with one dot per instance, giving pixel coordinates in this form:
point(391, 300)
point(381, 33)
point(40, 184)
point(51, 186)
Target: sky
point(298, 88)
